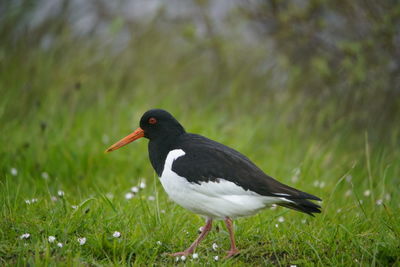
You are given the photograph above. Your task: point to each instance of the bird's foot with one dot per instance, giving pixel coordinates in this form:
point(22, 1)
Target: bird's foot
point(231, 253)
point(182, 253)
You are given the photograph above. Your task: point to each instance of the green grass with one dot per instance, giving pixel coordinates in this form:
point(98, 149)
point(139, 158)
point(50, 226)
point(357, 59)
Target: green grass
point(60, 110)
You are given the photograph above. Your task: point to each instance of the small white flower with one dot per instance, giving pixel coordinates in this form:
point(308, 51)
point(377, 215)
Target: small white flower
point(129, 195)
point(339, 210)
point(53, 198)
point(27, 201)
point(45, 175)
point(276, 225)
point(367, 193)
point(135, 189)
point(82, 240)
point(214, 246)
point(60, 245)
point(273, 207)
point(349, 178)
point(177, 259)
point(162, 211)
point(116, 234)
point(281, 219)
point(60, 193)
point(159, 243)
point(25, 236)
point(195, 256)
point(52, 239)
point(14, 172)
point(316, 183)
point(151, 198)
point(387, 197)
point(321, 184)
point(142, 185)
point(201, 229)
point(216, 258)
point(34, 200)
point(348, 193)
point(105, 139)
point(183, 258)
point(110, 195)
point(74, 207)
point(293, 265)
point(303, 221)
point(379, 202)
point(295, 179)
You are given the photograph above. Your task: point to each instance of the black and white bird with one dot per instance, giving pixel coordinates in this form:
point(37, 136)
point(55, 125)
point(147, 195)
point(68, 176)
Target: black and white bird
point(209, 178)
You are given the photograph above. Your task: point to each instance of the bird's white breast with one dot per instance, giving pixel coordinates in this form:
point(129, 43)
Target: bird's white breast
point(215, 200)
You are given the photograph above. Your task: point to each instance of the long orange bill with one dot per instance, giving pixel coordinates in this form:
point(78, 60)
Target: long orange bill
point(138, 133)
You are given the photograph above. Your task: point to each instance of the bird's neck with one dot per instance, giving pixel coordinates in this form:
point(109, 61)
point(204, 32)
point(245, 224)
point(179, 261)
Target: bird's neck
point(158, 151)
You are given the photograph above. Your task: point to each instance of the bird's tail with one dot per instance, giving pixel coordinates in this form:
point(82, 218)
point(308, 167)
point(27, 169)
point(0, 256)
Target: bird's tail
point(302, 205)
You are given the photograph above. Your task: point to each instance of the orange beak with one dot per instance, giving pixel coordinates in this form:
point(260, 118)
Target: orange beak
point(138, 133)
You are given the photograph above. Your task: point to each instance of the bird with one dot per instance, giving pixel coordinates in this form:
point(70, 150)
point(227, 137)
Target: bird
point(209, 178)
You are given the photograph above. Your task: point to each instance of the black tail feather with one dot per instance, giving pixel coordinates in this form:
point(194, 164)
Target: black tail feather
point(302, 205)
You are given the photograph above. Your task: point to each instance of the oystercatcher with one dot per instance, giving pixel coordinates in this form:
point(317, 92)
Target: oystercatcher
point(209, 178)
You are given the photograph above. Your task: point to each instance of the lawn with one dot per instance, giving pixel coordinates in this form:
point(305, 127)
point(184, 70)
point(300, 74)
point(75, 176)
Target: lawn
point(61, 108)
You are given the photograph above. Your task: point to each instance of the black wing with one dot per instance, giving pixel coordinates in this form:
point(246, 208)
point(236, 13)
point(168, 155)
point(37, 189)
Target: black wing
point(207, 160)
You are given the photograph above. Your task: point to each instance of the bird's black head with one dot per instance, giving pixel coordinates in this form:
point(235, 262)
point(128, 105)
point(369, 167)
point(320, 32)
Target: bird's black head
point(158, 123)
point(155, 124)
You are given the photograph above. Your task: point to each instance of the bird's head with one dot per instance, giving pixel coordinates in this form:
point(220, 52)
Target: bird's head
point(154, 124)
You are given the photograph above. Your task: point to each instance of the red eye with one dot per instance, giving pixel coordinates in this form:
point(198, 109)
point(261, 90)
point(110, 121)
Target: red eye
point(152, 120)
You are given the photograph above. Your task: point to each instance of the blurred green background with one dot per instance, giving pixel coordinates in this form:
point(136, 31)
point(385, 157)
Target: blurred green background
point(308, 89)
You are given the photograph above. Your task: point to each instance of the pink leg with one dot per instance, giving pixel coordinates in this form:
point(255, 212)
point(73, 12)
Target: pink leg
point(233, 251)
point(193, 246)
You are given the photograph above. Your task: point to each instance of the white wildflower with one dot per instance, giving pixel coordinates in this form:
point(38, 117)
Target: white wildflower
point(367, 193)
point(273, 207)
point(177, 259)
point(60, 193)
point(339, 210)
point(82, 241)
point(135, 189)
point(151, 198)
point(105, 139)
point(379, 202)
point(162, 211)
point(321, 184)
point(25, 236)
point(142, 185)
point(387, 196)
point(14, 172)
point(129, 195)
point(293, 265)
point(74, 207)
point(27, 201)
point(316, 183)
point(195, 256)
point(348, 193)
point(60, 245)
point(214, 246)
point(183, 258)
point(201, 229)
point(34, 200)
point(216, 258)
point(52, 239)
point(276, 225)
point(303, 221)
point(45, 175)
point(110, 195)
point(281, 219)
point(159, 243)
point(116, 234)
point(349, 178)
point(53, 198)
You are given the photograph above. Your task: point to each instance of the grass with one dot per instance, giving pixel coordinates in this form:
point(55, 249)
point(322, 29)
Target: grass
point(61, 108)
